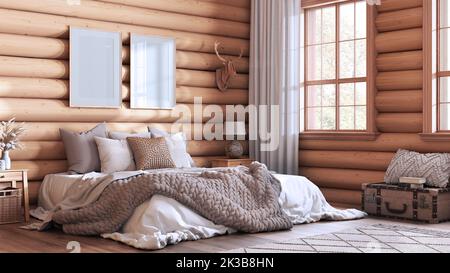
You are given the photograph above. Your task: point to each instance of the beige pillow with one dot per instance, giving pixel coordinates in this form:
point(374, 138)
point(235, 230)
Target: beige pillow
point(151, 153)
point(115, 155)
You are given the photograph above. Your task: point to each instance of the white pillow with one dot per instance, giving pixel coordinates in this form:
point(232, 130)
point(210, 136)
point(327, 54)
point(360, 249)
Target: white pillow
point(177, 149)
point(115, 155)
point(160, 133)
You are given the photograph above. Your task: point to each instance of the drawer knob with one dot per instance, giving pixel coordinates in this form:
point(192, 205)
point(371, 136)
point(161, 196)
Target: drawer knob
point(395, 211)
point(2, 176)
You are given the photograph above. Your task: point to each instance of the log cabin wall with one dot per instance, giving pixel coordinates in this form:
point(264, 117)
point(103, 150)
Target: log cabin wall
point(340, 167)
point(34, 68)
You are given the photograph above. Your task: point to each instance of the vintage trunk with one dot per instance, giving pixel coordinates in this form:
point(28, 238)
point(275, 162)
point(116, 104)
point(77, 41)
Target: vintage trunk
point(429, 205)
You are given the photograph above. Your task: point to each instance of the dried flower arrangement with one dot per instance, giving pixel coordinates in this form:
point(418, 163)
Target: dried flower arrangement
point(9, 135)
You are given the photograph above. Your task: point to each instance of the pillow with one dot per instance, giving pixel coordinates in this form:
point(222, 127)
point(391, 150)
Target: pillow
point(81, 150)
point(161, 133)
point(177, 150)
point(124, 135)
point(150, 153)
point(115, 155)
point(435, 167)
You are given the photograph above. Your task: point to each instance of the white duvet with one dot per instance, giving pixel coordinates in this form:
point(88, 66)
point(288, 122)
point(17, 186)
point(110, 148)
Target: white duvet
point(161, 221)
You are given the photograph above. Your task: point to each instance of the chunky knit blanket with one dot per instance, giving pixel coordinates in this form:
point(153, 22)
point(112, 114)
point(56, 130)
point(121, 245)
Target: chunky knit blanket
point(242, 198)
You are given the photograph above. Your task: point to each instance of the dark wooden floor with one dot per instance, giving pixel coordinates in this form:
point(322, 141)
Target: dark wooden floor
point(14, 239)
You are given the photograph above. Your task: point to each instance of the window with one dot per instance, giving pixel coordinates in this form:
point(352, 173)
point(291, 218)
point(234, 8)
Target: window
point(441, 64)
point(335, 67)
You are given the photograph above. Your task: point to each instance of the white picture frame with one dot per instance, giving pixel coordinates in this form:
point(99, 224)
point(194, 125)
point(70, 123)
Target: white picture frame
point(153, 72)
point(95, 68)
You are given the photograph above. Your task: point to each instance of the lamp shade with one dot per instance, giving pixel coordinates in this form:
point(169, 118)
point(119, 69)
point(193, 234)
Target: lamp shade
point(235, 128)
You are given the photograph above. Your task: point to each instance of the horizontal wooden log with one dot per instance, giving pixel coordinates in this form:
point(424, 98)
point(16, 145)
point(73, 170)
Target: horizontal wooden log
point(401, 40)
point(49, 131)
point(348, 179)
point(399, 80)
point(14, 87)
point(400, 19)
point(390, 5)
point(375, 161)
point(343, 198)
point(38, 169)
point(36, 47)
point(53, 48)
point(399, 122)
point(192, 7)
point(54, 150)
point(405, 101)
point(33, 68)
point(210, 62)
point(197, 78)
point(59, 111)
point(387, 142)
point(59, 69)
point(236, 3)
point(407, 60)
point(101, 11)
point(46, 25)
point(187, 94)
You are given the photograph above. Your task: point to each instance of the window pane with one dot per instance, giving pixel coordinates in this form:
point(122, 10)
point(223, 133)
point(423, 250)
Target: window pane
point(314, 117)
point(314, 95)
point(361, 15)
point(444, 13)
point(329, 118)
point(314, 63)
point(314, 26)
point(346, 21)
point(328, 95)
point(328, 62)
point(347, 118)
point(347, 60)
point(444, 117)
point(444, 50)
point(346, 94)
point(329, 24)
point(361, 121)
point(360, 52)
point(360, 93)
point(444, 90)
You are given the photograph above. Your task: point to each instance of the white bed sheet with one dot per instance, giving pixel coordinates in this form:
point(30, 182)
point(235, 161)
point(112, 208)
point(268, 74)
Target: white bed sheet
point(161, 220)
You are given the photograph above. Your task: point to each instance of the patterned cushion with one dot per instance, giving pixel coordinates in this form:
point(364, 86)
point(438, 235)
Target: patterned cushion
point(435, 167)
point(150, 153)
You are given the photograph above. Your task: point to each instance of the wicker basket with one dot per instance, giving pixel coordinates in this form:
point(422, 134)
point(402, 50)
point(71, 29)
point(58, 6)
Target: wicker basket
point(10, 205)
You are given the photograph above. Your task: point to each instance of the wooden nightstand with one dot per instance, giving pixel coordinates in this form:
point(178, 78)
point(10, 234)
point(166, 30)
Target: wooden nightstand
point(14, 176)
point(228, 162)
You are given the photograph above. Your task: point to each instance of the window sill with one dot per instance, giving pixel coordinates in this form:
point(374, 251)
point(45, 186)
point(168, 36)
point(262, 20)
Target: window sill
point(435, 136)
point(344, 136)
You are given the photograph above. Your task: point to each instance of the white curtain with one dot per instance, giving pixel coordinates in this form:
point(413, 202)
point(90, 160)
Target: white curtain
point(275, 83)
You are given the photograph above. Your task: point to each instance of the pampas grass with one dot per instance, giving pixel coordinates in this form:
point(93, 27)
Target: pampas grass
point(10, 133)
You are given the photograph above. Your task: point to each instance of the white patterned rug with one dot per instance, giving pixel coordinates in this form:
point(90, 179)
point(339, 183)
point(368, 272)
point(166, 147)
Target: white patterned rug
point(378, 238)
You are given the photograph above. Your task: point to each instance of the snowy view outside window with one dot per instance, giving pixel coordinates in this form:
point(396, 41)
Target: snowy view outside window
point(336, 67)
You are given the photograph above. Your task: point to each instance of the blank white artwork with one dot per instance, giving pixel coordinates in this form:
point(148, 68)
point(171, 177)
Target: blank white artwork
point(153, 68)
point(95, 68)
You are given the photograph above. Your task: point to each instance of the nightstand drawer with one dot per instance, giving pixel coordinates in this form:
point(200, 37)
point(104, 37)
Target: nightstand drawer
point(10, 176)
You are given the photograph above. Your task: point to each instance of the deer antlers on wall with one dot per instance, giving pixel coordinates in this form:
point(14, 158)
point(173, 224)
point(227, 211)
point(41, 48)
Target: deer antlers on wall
point(227, 72)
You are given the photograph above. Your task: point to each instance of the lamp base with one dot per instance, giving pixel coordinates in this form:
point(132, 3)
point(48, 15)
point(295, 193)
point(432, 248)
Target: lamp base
point(234, 149)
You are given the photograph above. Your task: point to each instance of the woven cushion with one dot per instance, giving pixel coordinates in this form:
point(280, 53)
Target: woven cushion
point(434, 167)
point(150, 153)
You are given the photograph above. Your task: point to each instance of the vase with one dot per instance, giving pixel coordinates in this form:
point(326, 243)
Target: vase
point(234, 149)
point(7, 159)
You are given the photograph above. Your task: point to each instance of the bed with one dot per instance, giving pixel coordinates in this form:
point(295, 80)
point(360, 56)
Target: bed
point(161, 220)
